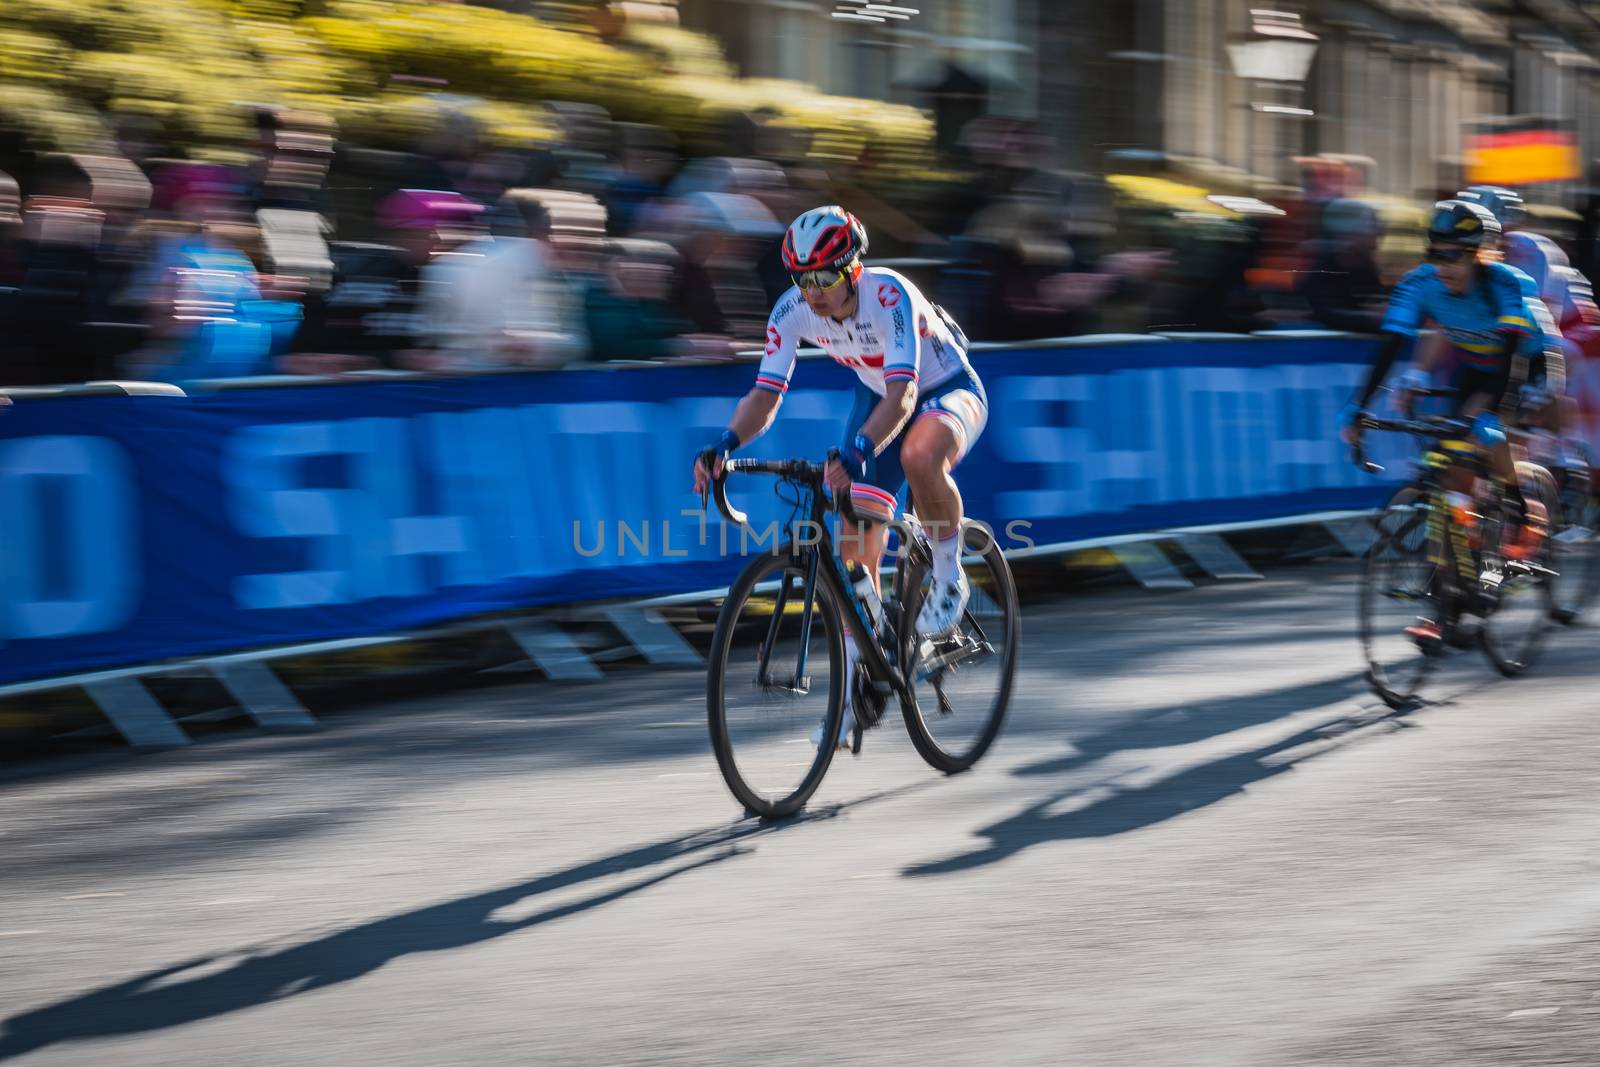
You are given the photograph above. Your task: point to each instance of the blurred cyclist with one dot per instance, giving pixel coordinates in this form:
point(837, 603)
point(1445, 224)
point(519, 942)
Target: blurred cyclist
point(1565, 293)
point(919, 405)
point(1481, 314)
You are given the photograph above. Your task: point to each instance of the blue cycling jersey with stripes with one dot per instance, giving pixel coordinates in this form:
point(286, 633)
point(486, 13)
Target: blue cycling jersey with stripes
point(1501, 300)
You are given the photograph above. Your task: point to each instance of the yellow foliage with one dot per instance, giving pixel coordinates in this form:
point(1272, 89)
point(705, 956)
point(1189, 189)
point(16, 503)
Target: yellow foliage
point(191, 63)
point(51, 120)
point(32, 57)
point(679, 51)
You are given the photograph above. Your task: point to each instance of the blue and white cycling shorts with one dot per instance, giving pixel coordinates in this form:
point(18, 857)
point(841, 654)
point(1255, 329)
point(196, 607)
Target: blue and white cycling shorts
point(959, 402)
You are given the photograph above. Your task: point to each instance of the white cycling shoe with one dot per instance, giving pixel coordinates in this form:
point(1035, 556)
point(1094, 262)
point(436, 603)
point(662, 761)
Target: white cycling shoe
point(942, 610)
point(847, 723)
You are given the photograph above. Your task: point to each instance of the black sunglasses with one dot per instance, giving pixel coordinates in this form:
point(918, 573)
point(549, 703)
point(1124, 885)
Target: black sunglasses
point(1448, 255)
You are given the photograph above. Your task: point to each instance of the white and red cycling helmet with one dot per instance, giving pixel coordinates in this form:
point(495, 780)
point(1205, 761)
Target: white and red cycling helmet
point(824, 238)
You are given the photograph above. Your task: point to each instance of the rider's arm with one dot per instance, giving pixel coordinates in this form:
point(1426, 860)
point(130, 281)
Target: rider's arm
point(1389, 346)
point(754, 415)
point(1402, 321)
point(760, 406)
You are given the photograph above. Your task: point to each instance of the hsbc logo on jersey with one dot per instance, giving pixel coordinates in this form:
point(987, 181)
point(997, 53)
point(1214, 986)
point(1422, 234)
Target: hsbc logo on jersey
point(888, 295)
point(774, 340)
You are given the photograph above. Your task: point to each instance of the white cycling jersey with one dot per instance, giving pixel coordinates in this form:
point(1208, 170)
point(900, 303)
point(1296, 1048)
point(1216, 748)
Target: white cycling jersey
point(896, 334)
point(1564, 290)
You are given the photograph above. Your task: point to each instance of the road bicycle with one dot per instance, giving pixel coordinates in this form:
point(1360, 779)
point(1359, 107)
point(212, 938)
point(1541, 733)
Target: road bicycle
point(1439, 558)
point(776, 668)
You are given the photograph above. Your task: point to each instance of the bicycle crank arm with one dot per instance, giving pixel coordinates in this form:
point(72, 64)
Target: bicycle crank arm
point(963, 653)
point(1522, 567)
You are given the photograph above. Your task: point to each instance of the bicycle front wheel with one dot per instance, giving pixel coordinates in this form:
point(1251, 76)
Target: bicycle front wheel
point(959, 685)
point(1399, 587)
point(774, 677)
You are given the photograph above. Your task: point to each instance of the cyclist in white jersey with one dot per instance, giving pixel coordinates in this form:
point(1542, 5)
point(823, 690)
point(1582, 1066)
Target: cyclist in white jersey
point(919, 405)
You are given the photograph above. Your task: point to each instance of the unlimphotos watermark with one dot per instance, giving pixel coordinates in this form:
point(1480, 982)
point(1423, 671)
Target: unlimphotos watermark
point(663, 538)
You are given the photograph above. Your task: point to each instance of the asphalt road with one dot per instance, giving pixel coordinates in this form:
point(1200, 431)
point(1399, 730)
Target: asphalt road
point(1198, 842)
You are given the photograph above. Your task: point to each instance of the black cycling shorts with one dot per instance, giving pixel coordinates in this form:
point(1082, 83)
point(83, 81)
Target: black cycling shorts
point(1473, 381)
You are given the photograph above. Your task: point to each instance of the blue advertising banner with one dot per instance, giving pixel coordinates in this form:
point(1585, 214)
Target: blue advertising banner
point(146, 528)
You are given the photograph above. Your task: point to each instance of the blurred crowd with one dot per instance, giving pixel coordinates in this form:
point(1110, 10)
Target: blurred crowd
point(316, 257)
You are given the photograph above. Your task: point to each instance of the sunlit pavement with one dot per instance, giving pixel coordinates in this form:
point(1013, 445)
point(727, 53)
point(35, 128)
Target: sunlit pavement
point(1198, 841)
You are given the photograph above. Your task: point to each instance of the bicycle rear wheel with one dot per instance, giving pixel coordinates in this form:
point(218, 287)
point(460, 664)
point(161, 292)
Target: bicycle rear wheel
point(1515, 630)
point(1575, 547)
point(775, 673)
point(1399, 586)
point(960, 684)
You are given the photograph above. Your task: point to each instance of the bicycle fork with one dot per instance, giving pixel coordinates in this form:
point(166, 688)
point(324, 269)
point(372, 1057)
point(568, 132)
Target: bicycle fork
point(799, 682)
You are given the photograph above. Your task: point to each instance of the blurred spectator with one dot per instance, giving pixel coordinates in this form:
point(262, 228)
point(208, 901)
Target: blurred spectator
point(373, 313)
point(1343, 288)
point(69, 266)
point(447, 152)
point(722, 238)
point(10, 263)
point(646, 158)
point(1289, 235)
point(10, 233)
point(629, 313)
point(501, 300)
point(1208, 291)
point(288, 197)
point(114, 326)
point(138, 139)
point(758, 178)
point(205, 319)
point(294, 149)
point(1037, 286)
point(580, 158)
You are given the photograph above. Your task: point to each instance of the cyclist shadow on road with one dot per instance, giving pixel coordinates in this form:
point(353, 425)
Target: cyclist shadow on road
point(260, 974)
point(1122, 803)
point(1183, 723)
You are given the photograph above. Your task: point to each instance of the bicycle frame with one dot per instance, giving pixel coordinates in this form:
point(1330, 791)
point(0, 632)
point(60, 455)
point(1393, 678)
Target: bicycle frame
point(1449, 547)
point(809, 478)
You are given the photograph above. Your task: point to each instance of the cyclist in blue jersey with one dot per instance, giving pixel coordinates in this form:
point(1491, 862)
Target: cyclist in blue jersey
point(1482, 313)
point(1565, 293)
point(919, 405)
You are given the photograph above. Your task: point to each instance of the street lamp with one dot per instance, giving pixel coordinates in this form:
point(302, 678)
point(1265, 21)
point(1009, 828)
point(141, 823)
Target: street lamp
point(1278, 49)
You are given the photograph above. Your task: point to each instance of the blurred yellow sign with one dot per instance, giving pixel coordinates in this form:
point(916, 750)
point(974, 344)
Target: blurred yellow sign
point(1522, 152)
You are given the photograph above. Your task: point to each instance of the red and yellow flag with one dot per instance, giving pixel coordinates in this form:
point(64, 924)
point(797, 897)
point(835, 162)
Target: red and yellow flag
point(1522, 151)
